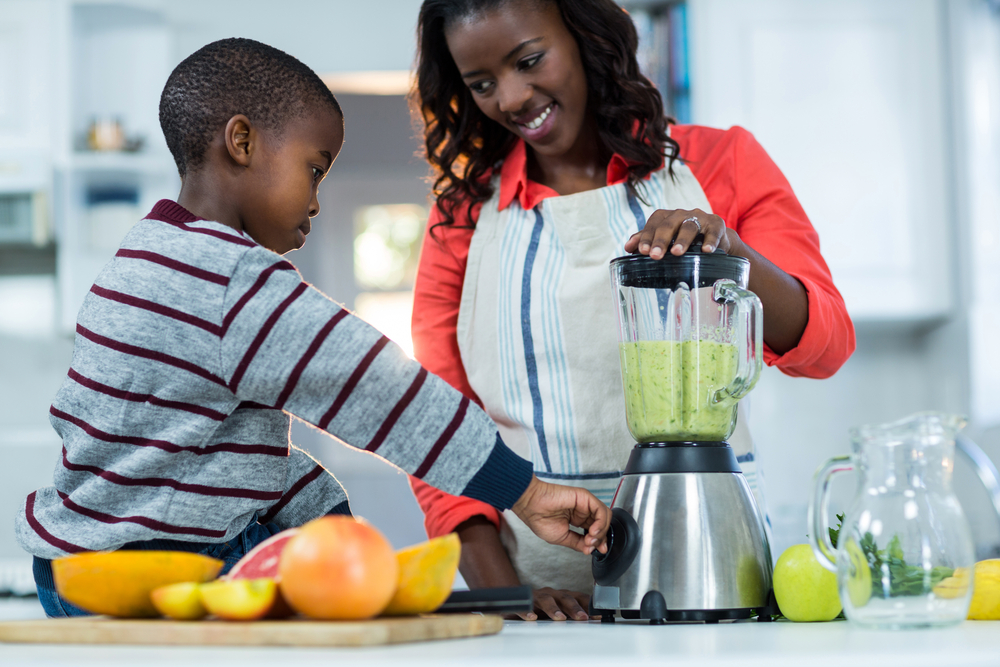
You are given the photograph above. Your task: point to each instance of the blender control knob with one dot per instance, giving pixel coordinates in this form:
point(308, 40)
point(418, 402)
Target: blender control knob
point(623, 545)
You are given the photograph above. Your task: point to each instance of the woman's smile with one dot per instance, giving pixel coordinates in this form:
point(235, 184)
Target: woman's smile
point(536, 124)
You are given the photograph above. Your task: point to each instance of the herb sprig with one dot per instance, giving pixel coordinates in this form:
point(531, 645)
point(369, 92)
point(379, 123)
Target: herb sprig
point(891, 576)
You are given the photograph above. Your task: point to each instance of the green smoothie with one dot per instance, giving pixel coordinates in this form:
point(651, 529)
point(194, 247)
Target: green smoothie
point(669, 388)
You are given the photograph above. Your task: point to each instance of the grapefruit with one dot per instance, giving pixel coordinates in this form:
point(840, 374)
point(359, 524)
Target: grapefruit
point(338, 567)
point(261, 562)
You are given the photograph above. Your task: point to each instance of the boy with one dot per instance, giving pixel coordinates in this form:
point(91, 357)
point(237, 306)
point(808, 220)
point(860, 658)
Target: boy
point(197, 342)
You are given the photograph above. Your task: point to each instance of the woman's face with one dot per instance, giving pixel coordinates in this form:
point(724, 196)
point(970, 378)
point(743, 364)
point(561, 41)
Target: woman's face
point(524, 70)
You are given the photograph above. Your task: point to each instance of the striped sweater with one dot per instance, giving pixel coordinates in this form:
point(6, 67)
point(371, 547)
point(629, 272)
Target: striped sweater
point(194, 348)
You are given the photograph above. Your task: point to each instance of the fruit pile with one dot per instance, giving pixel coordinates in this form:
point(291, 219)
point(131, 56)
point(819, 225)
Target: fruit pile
point(334, 567)
point(806, 591)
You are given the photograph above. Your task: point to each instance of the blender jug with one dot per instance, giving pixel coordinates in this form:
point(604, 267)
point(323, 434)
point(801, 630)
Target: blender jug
point(691, 343)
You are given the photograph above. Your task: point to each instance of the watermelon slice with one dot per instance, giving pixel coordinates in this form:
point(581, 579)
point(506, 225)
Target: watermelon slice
point(262, 560)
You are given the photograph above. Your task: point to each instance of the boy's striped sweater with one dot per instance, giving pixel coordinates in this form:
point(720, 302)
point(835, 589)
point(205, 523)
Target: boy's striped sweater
point(194, 347)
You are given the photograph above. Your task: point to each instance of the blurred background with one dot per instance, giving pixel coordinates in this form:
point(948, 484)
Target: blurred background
point(883, 114)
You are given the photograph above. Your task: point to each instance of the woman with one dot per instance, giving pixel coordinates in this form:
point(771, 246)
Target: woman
point(552, 155)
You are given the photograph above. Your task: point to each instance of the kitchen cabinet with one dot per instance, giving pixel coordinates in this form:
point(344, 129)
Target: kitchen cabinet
point(849, 99)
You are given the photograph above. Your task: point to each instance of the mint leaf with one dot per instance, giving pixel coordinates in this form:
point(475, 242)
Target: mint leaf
point(835, 532)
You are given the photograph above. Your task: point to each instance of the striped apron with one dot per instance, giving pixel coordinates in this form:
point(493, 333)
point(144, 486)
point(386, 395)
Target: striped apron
point(537, 331)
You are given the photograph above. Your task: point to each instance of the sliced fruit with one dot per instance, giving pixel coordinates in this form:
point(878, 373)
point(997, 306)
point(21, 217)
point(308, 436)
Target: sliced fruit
point(955, 586)
point(426, 574)
point(119, 583)
point(262, 560)
point(239, 600)
point(986, 591)
point(181, 602)
point(338, 567)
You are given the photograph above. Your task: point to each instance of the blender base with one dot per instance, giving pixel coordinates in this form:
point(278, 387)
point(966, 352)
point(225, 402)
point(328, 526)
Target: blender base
point(692, 615)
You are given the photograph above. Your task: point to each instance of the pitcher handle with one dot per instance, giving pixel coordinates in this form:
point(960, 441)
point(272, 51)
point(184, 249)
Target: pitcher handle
point(749, 317)
point(819, 508)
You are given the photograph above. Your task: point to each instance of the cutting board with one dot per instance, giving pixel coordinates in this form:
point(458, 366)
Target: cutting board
point(104, 630)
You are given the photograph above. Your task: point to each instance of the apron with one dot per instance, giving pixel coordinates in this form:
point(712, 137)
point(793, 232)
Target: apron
point(537, 332)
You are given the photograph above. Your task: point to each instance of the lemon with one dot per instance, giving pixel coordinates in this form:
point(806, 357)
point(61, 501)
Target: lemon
point(986, 591)
point(804, 589)
point(954, 586)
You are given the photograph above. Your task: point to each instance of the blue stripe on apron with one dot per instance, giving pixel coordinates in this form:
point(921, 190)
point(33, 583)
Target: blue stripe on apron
point(529, 343)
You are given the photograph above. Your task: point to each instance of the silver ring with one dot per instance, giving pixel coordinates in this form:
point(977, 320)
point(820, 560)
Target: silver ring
point(694, 220)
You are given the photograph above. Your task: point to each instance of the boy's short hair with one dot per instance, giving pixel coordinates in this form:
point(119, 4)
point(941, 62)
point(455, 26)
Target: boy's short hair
point(229, 77)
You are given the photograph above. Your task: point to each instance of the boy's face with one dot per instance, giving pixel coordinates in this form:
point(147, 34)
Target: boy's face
point(282, 194)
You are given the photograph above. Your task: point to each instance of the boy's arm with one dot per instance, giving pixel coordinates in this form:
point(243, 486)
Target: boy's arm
point(288, 346)
point(437, 295)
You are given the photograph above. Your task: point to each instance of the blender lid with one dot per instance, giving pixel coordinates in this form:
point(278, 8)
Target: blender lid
point(691, 267)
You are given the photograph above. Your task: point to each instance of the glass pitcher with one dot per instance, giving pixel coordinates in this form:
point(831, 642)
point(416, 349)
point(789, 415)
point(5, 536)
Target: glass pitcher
point(690, 340)
point(904, 555)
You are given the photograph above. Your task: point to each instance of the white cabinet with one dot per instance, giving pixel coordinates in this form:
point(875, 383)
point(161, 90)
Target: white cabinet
point(118, 58)
point(847, 98)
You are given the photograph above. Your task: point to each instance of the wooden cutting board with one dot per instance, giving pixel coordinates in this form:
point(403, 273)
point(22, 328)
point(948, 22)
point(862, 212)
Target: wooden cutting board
point(104, 630)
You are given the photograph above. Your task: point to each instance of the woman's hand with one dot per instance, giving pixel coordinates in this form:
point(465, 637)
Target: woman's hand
point(485, 564)
point(786, 304)
point(675, 230)
point(550, 510)
point(559, 605)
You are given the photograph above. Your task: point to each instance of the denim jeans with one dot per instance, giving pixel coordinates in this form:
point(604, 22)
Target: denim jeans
point(228, 552)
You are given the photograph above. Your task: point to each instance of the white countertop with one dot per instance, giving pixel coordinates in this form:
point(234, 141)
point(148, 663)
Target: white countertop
point(547, 644)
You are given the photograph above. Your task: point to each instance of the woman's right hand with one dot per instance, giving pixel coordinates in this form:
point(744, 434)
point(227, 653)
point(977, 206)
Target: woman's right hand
point(558, 605)
point(485, 564)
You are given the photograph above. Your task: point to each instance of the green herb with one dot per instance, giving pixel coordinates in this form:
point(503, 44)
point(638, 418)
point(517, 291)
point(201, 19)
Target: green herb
point(835, 532)
point(834, 536)
point(891, 576)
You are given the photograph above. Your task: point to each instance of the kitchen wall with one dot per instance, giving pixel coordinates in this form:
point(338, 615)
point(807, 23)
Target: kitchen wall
point(875, 111)
point(943, 361)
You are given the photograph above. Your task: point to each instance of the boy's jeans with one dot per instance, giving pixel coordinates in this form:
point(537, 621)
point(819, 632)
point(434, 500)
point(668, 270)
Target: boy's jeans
point(229, 552)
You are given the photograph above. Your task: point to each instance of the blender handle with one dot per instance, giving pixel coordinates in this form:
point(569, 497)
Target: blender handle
point(819, 509)
point(750, 318)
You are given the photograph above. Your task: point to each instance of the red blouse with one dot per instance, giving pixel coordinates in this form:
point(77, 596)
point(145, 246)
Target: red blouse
point(744, 187)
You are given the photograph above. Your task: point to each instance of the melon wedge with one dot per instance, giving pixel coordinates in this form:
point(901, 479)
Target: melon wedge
point(119, 583)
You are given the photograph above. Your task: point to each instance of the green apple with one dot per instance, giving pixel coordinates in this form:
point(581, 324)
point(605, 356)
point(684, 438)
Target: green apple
point(804, 589)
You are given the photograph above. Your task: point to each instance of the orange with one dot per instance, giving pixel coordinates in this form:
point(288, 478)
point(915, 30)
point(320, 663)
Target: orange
point(338, 567)
point(426, 574)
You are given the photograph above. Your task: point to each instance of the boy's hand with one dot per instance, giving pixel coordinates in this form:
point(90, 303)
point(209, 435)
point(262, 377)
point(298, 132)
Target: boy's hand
point(675, 230)
point(550, 509)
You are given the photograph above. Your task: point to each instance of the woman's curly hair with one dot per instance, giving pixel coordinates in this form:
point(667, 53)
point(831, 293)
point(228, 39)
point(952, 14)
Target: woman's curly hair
point(462, 144)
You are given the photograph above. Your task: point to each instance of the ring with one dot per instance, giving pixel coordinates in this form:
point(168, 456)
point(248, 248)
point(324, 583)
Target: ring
point(694, 220)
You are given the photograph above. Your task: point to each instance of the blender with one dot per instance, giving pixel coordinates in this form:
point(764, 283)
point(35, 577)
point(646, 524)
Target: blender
point(687, 541)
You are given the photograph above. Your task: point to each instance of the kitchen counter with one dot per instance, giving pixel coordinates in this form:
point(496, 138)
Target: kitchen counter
point(547, 644)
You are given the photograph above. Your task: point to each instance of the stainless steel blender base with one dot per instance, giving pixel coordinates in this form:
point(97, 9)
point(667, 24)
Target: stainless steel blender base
point(695, 539)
